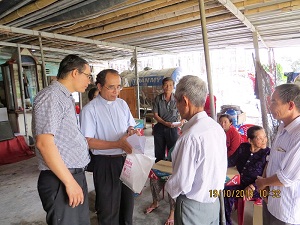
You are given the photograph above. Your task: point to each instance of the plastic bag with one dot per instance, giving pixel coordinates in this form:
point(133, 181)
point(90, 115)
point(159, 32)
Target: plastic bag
point(136, 170)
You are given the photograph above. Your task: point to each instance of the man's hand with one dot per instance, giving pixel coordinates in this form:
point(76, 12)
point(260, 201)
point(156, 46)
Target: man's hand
point(260, 183)
point(50, 153)
point(169, 124)
point(132, 131)
point(75, 194)
point(123, 144)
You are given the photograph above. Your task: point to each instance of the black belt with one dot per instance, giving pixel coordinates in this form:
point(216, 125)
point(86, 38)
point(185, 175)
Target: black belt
point(72, 170)
point(114, 156)
point(76, 170)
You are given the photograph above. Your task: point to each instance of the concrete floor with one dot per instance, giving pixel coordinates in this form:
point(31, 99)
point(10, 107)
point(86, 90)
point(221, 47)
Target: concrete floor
point(20, 203)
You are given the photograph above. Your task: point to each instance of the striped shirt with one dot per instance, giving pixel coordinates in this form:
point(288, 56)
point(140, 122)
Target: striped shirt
point(285, 163)
point(54, 113)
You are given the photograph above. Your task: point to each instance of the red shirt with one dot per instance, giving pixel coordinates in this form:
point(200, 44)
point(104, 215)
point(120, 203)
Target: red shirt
point(207, 105)
point(233, 140)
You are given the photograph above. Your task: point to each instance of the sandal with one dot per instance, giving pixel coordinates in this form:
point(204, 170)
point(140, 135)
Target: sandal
point(150, 209)
point(169, 222)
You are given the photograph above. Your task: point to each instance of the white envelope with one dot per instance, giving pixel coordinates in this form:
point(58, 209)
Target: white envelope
point(137, 143)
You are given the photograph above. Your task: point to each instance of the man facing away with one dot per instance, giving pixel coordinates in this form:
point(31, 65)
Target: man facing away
point(199, 158)
point(106, 122)
point(282, 178)
point(62, 150)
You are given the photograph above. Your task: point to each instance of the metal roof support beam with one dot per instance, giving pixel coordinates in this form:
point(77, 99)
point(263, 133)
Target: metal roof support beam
point(137, 83)
point(207, 58)
point(45, 83)
point(259, 78)
point(103, 57)
point(21, 80)
point(238, 14)
point(78, 39)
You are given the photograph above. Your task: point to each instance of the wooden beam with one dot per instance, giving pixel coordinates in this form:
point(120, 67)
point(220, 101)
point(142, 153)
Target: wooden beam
point(286, 6)
point(123, 13)
point(162, 13)
point(26, 10)
point(161, 30)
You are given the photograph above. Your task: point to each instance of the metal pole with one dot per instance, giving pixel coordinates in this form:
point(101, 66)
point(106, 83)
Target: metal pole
point(274, 66)
point(270, 61)
point(260, 85)
point(80, 100)
point(22, 92)
point(44, 75)
point(210, 89)
point(207, 59)
point(137, 84)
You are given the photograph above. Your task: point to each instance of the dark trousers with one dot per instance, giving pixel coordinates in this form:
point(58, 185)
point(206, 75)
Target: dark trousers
point(163, 137)
point(269, 219)
point(114, 200)
point(56, 202)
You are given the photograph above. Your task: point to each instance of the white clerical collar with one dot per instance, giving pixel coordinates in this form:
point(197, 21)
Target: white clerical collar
point(104, 101)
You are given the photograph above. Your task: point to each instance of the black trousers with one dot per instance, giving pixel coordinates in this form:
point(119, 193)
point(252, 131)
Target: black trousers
point(269, 219)
point(114, 200)
point(56, 202)
point(163, 137)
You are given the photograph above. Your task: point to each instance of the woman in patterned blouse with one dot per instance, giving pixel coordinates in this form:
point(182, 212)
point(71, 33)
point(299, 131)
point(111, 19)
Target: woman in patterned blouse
point(250, 160)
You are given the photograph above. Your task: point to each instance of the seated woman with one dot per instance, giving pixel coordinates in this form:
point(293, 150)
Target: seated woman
point(250, 160)
point(233, 138)
point(156, 186)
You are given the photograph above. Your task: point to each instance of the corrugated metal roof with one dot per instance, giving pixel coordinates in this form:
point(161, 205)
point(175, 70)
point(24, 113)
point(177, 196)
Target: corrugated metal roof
point(104, 30)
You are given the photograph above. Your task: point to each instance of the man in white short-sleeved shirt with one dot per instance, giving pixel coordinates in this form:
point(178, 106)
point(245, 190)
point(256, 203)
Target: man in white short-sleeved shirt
point(106, 122)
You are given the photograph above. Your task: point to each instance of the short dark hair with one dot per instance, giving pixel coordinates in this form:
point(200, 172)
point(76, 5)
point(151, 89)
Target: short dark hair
point(226, 116)
point(92, 93)
point(167, 79)
point(289, 92)
point(102, 75)
point(69, 63)
point(251, 131)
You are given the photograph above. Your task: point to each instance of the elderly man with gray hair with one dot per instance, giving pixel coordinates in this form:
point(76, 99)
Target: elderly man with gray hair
point(199, 158)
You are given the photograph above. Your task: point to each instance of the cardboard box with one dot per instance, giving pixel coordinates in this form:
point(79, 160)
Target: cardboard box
point(241, 118)
point(257, 214)
point(164, 166)
point(232, 173)
point(233, 177)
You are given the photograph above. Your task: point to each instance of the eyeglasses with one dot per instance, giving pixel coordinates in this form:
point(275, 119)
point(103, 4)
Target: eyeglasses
point(113, 88)
point(90, 76)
